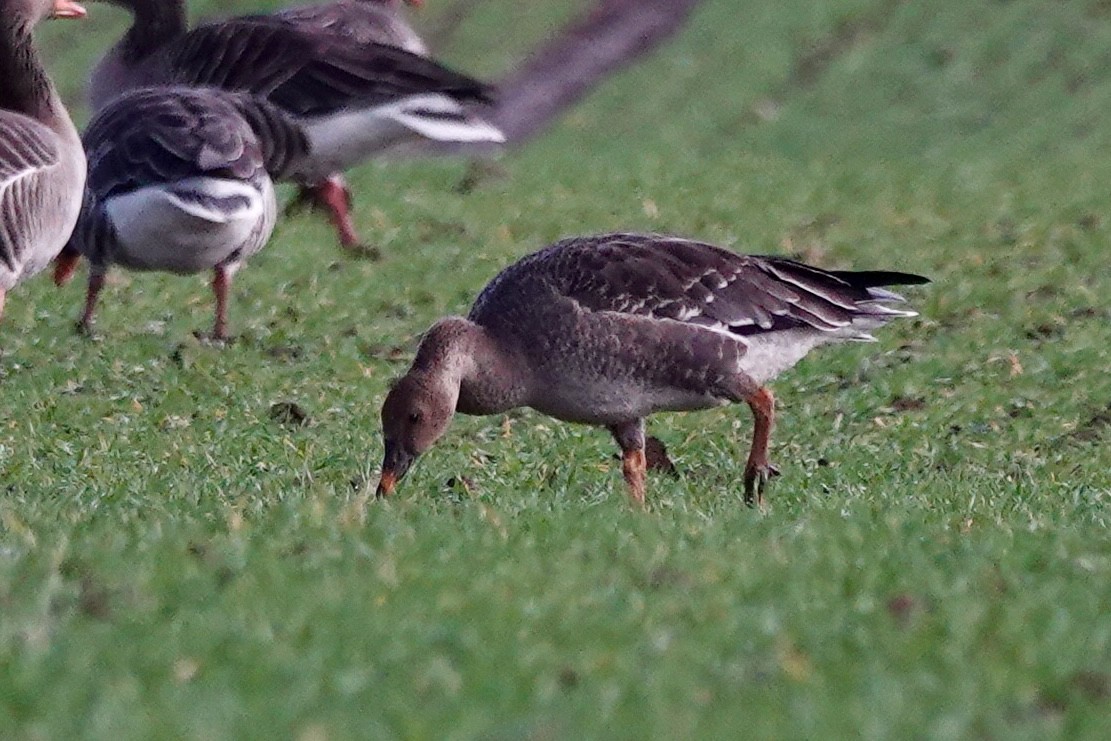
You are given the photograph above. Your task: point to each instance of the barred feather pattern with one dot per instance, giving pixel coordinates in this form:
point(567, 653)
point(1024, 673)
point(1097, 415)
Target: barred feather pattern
point(31, 206)
point(669, 278)
point(284, 143)
point(42, 166)
point(616, 326)
point(161, 135)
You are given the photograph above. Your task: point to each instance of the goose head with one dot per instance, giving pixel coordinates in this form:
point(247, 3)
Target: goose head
point(416, 413)
point(32, 11)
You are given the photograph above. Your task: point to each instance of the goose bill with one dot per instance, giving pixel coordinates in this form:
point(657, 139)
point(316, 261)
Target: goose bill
point(395, 464)
point(68, 9)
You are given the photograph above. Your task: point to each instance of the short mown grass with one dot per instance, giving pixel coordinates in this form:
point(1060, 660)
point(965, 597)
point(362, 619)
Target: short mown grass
point(181, 557)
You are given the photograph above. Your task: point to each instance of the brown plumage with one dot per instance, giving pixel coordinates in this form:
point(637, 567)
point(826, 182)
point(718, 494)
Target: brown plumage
point(605, 330)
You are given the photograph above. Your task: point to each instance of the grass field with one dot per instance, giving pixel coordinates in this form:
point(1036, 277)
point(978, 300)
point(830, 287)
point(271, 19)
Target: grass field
point(935, 562)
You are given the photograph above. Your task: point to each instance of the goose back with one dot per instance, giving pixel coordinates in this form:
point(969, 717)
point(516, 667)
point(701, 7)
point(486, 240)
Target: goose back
point(305, 71)
point(178, 180)
point(363, 21)
point(354, 100)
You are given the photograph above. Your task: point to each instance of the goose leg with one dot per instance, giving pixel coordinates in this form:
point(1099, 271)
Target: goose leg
point(334, 196)
point(630, 438)
point(759, 470)
point(3, 295)
point(657, 458)
point(96, 283)
point(221, 281)
point(65, 264)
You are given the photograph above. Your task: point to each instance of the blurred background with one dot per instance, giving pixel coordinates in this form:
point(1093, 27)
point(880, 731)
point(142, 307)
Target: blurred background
point(181, 556)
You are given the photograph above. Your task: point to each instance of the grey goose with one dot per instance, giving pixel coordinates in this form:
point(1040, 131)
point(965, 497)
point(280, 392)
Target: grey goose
point(354, 100)
point(606, 330)
point(180, 181)
point(364, 22)
point(42, 165)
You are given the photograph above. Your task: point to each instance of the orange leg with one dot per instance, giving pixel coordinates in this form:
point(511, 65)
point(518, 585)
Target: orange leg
point(221, 281)
point(759, 470)
point(634, 465)
point(96, 283)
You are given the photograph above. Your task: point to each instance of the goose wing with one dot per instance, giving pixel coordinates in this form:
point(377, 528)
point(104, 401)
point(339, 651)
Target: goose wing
point(306, 71)
point(669, 278)
point(164, 135)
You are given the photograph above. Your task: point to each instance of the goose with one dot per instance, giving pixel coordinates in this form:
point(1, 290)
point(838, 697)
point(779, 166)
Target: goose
point(353, 100)
point(364, 22)
point(42, 165)
point(605, 330)
point(180, 181)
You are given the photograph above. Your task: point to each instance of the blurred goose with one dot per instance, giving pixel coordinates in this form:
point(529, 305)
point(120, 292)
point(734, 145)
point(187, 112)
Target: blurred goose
point(363, 21)
point(354, 100)
point(42, 166)
point(605, 330)
point(179, 181)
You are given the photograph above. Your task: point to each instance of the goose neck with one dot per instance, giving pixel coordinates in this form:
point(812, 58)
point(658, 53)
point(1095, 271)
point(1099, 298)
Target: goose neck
point(26, 89)
point(156, 23)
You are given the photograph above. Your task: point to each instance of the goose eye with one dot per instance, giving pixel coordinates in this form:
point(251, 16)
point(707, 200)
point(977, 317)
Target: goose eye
point(414, 417)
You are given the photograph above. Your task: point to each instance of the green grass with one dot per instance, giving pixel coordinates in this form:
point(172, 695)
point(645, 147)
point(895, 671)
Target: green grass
point(935, 561)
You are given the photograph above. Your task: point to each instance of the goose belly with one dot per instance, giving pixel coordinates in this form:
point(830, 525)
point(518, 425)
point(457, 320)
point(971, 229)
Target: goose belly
point(609, 401)
point(767, 355)
point(191, 225)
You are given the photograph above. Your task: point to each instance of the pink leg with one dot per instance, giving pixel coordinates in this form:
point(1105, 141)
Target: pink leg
point(2, 298)
point(96, 282)
point(221, 281)
point(334, 196)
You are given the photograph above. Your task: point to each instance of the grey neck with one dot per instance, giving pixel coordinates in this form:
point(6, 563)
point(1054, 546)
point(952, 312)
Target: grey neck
point(157, 22)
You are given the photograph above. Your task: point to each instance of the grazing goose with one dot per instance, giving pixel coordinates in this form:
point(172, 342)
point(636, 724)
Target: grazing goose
point(605, 330)
point(354, 100)
point(179, 180)
point(363, 21)
point(42, 165)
